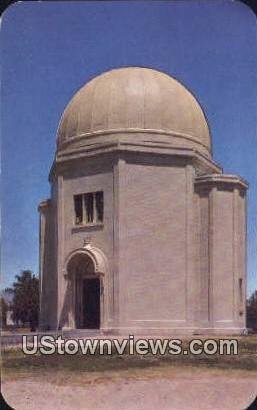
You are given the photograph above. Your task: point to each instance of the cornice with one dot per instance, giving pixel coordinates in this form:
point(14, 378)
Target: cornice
point(44, 204)
point(63, 143)
point(215, 179)
point(154, 148)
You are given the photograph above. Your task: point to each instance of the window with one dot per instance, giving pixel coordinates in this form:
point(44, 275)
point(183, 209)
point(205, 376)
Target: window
point(89, 208)
point(78, 209)
point(240, 283)
point(99, 202)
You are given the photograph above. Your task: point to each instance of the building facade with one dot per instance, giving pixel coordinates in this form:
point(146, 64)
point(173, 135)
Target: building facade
point(143, 232)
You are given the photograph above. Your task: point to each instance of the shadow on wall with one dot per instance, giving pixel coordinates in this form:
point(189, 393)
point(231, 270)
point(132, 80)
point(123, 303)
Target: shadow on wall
point(63, 321)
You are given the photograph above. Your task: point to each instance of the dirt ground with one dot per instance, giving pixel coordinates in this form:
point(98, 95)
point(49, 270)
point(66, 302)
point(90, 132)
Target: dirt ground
point(181, 389)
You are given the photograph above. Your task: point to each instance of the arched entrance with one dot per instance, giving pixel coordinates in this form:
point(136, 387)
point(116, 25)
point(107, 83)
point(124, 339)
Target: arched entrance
point(87, 284)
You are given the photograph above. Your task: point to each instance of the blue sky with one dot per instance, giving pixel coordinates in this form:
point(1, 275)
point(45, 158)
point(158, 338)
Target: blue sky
point(50, 49)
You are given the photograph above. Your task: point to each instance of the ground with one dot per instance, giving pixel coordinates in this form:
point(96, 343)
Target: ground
point(131, 382)
point(178, 390)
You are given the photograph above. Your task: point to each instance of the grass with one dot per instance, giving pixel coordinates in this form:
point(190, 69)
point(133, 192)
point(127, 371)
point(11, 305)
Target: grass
point(98, 367)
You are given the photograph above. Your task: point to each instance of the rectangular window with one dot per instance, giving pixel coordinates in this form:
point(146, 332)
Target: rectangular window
point(240, 282)
point(89, 208)
point(99, 204)
point(78, 207)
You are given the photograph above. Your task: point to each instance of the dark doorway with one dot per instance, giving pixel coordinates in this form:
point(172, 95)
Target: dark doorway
point(91, 303)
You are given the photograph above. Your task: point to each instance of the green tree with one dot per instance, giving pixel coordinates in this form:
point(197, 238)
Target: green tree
point(252, 311)
point(25, 302)
point(4, 308)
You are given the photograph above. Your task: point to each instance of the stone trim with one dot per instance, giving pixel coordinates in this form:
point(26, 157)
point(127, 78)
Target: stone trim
point(89, 135)
point(116, 148)
point(214, 179)
point(96, 255)
point(44, 205)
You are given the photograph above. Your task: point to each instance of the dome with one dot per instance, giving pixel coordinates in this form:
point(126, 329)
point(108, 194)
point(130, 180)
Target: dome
point(134, 100)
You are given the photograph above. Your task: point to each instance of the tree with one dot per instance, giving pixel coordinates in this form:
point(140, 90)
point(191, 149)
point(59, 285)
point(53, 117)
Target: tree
point(4, 308)
point(25, 303)
point(252, 311)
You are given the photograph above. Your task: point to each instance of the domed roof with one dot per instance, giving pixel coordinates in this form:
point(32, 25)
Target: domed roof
point(134, 99)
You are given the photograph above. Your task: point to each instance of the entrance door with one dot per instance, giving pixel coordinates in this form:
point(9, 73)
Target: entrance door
point(91, 303)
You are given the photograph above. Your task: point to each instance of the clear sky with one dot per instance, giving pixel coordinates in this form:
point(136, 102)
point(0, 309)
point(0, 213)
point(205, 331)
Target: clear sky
point(50, 49)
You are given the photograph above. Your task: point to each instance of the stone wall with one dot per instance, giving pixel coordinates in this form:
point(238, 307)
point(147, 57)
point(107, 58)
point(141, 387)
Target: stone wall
point(152, 243)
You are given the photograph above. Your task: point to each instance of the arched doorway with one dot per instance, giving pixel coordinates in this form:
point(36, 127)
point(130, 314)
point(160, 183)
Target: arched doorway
point(87, 286)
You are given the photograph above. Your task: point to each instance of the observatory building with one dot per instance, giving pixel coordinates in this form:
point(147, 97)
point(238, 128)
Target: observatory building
point(143, 232)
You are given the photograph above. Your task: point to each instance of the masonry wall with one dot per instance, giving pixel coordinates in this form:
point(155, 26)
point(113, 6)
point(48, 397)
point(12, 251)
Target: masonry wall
point(221, 256)
point(153, 245)
point(89, 177)
point(228, 258)
point(175, 249)
point(202, 243)
point(48, 276)
point(240, 253)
